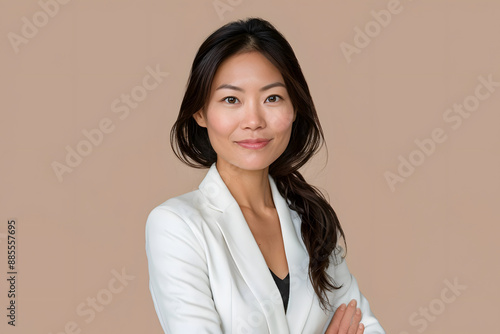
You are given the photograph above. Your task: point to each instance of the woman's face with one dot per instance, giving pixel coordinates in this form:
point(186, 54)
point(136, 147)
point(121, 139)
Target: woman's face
point(249, 114)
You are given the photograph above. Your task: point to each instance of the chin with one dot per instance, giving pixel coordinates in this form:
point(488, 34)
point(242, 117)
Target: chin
point(253, 165)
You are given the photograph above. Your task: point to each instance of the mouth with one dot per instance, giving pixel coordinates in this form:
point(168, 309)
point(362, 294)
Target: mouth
point(253, 144)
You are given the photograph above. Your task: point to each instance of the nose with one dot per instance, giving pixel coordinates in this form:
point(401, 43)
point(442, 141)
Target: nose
point(253, 117)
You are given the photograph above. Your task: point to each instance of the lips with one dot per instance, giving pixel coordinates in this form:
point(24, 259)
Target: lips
point(253, 144)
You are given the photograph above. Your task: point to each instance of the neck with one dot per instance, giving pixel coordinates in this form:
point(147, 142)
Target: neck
point(250, 188)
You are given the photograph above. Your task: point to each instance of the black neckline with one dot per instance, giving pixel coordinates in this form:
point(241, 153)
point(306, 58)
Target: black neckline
point(282, 280)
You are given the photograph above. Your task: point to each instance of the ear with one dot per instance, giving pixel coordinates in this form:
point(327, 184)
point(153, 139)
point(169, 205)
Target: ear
point(199, 117)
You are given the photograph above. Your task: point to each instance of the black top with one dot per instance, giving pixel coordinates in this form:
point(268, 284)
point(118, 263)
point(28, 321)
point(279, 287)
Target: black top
point(283, 286)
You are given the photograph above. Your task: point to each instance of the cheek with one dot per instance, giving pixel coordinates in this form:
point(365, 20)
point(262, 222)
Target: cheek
point(282, 121)
point(219, 125)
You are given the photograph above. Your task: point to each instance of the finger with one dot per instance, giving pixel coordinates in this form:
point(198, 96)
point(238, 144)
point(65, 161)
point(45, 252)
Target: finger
point(333, 327)
point(355, 322)
point(346, 320)
point(361, 328)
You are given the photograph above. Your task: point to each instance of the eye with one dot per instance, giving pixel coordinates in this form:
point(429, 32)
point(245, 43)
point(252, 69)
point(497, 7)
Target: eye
point(231, 100)
point(273, 98)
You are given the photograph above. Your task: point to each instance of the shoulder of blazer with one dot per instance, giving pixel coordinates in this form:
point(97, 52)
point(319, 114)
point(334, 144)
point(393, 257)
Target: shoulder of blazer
point(186, 206)
point(178, 217)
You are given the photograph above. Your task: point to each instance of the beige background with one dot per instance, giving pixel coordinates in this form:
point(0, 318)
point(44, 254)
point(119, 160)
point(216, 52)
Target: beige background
point(439, 225)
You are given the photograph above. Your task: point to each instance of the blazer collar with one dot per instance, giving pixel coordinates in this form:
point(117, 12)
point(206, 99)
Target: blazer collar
point(250, 261)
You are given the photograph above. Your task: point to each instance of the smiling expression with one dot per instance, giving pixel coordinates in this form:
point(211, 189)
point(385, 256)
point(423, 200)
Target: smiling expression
point(249, 114)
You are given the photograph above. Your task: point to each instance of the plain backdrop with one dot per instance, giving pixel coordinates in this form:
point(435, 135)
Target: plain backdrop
point(411, 166)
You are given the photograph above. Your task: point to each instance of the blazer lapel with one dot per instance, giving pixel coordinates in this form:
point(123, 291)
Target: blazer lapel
point(301, 291)
point(251, 262)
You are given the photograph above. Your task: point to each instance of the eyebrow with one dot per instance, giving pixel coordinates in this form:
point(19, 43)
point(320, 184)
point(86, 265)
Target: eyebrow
point(274, 84)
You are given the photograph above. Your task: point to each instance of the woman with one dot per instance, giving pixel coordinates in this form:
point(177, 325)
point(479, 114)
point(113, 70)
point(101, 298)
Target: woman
point(255, 248)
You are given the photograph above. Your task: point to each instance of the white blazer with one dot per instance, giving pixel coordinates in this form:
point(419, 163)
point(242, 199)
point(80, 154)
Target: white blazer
point(208, 275)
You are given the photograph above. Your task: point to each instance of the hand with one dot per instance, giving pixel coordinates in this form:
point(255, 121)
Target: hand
point(341, 321)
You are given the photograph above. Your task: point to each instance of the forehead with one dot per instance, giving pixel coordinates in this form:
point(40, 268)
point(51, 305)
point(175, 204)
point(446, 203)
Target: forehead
point(246, 68)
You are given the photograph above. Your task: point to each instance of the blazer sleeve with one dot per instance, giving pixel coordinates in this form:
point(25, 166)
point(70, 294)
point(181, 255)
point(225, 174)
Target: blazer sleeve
point(178, 276)
point(350, 290)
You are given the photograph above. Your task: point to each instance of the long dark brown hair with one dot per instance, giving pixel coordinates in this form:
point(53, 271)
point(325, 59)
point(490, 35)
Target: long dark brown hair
point(320, 226)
